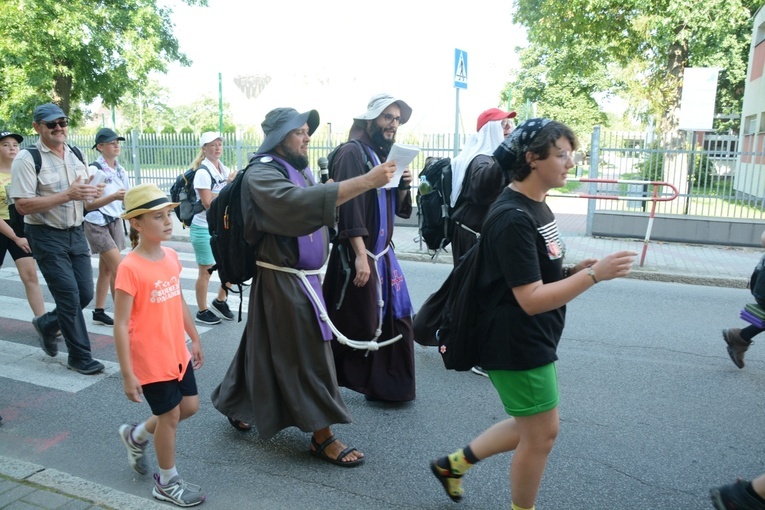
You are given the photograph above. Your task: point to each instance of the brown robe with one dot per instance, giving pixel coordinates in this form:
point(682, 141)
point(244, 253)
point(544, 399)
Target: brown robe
point(386, 374)
point(283, 373)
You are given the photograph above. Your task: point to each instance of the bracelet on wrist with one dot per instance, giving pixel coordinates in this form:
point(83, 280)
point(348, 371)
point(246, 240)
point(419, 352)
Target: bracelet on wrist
point(591, 272)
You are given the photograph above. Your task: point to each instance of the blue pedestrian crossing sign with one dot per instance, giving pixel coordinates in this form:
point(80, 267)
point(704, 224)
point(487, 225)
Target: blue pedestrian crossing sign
point(460, 69)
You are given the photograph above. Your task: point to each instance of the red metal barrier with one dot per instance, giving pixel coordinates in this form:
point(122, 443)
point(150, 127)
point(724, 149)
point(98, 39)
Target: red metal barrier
point(653, 199)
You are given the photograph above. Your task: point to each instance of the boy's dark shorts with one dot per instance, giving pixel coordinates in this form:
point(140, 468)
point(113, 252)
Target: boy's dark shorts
point(165, 396)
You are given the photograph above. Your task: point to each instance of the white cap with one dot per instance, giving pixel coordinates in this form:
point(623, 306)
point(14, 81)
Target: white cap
point(208, 137)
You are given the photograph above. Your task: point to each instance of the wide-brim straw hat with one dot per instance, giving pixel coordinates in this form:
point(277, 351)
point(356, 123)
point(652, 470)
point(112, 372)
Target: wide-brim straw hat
point(145, 198)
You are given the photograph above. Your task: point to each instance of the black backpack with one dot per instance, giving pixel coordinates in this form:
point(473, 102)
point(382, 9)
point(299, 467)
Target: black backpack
point(434, 212)
point(183, 191)
point(449, 318)
point(331, 157)
point(234, 255)
point(16, 220)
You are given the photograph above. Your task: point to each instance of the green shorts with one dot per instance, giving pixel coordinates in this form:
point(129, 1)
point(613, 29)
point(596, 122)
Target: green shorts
point(200, 241)
point(527, 392)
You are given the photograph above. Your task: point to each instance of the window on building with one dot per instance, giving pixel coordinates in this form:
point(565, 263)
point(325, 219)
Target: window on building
point(750, 125)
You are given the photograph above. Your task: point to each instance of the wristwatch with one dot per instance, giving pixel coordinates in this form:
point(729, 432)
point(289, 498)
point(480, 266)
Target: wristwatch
point(591, 272)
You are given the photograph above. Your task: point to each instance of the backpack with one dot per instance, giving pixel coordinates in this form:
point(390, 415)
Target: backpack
point(434, 211)
point(449, 318)
point(183, 191)
point(331, 157)
point(234, 255)
point(16, 220)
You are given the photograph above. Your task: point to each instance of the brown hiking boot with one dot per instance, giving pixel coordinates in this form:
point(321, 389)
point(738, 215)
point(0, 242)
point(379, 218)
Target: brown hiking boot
point(737, 346)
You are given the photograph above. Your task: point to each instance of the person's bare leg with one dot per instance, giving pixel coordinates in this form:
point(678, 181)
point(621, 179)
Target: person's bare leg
point(28, 273)
point(758, 484)
point(537, 437)
point(107, 273)
point(203, 282)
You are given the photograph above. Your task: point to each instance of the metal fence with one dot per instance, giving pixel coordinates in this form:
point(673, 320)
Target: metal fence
point(714, 177)
point(160, 158)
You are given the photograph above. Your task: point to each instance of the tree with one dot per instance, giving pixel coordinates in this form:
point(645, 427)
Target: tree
point(644, 45)
point(566, 98)
point(203, 115)
point(72, 52)
point(147, 109)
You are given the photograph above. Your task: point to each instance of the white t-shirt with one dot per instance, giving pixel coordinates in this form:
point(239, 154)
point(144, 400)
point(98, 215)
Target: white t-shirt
point(202, 181)
point(115, 180)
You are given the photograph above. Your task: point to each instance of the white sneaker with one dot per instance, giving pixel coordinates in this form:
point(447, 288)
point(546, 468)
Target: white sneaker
point(178, 492)
point(136, 452)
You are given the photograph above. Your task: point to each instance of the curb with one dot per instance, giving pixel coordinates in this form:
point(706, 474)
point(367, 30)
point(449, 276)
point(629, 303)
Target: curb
point(56, 481)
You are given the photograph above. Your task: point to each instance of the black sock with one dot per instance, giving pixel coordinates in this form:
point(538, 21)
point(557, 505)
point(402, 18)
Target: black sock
point(99, 310)
point(469, 455)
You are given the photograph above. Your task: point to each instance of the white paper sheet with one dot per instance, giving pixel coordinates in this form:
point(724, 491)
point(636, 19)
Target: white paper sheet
point(402, 154)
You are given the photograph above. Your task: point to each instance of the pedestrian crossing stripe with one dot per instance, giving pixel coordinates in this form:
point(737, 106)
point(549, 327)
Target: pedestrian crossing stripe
point(10, 273)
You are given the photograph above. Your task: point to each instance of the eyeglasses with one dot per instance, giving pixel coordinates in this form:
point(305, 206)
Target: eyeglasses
point(52, 125)
point(507, 124)
point(389, 119)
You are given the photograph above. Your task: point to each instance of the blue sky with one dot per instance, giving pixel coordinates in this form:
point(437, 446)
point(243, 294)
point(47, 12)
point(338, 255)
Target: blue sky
point(334, 55)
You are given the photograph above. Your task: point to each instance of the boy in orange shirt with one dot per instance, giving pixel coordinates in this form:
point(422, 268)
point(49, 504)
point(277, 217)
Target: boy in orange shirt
point(150, 317)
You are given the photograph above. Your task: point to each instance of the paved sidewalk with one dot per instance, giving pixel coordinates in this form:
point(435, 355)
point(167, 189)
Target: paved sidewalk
point(24, 485)
point(713, 265)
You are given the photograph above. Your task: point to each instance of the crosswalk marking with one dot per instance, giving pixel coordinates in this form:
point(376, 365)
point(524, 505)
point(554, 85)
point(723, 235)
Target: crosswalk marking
point(30, 365)
point(10, 273)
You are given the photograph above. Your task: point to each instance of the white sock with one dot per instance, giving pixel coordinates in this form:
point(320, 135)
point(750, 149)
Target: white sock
point(165, 475)
point(140, 434)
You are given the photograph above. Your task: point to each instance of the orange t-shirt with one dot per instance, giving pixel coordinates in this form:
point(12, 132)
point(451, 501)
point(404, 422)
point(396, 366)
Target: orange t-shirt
point(157, 337)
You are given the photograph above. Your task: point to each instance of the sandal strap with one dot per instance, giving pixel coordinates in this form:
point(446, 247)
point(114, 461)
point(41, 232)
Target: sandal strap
point(345, 453)
point(321, 447)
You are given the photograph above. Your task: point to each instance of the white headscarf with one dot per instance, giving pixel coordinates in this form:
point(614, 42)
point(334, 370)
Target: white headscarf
point(485, 143)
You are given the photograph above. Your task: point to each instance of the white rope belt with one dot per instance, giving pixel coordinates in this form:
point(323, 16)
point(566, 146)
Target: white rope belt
point(370, 345)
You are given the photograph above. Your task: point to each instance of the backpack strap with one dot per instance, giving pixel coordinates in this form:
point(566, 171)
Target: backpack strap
point(363, 149)
point(212, 179)
point(78, 153)
point(35, 152)
point(37, 158)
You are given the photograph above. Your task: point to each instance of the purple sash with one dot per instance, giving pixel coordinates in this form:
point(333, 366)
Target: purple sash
point(312, 249)
point(388, 268)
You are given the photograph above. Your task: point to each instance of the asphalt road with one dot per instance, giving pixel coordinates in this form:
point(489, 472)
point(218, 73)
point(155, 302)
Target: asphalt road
point(653, 413)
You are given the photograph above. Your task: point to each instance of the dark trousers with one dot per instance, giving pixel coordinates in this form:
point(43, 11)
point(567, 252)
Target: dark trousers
point(63, 257)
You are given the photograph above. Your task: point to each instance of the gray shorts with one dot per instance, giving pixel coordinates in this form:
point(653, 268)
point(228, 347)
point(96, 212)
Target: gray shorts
point(105, 238)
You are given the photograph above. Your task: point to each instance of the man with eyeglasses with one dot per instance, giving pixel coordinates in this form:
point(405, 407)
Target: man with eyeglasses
point(51, 198)
point(364, 286)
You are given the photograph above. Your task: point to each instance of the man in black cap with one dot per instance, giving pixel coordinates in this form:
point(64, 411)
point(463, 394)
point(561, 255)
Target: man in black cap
point(104, 231)
point(365, 286)
point(283, 374)
point(51, 201)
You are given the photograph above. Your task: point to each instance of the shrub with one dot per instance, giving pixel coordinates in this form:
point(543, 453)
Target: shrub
point(652, 168)
point(704, 170)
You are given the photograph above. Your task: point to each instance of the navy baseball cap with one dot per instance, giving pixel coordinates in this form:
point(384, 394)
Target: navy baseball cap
point(48, 112)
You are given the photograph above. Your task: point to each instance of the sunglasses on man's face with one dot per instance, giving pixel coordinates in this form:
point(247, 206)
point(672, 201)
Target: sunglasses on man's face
point(52, 125)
